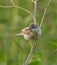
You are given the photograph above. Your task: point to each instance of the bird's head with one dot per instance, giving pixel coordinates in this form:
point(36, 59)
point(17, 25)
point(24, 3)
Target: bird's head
point(33, 26)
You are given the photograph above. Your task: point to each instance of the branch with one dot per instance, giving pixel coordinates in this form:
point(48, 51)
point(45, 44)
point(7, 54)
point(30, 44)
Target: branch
point(17, 44)
point(30, 53)
point(45, 13)
point(19, 8)
point(1, 6)
point(23, 9)
point(12, 38)
point(35, 7)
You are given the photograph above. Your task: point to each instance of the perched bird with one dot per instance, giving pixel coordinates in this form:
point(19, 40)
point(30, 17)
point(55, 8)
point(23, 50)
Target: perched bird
point(31, 32)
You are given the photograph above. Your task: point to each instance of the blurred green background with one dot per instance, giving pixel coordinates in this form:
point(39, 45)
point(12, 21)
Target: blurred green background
point(12, 20)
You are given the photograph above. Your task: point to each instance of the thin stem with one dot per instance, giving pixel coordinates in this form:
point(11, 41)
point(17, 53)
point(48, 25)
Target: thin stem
point(6, 6)
point(11, 37)
point(30, 53)
point(14, 5)
point(45, 13)
point(35, 7)
point(23, 9)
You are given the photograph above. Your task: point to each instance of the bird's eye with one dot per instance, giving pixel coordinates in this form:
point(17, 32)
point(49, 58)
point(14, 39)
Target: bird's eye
point(34, 26)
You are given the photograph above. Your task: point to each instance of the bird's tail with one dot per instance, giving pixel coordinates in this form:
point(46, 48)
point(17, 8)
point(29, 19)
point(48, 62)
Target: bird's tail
point(18, 34)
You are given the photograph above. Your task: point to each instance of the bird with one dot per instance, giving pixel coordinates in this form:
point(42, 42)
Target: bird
point(31, 32)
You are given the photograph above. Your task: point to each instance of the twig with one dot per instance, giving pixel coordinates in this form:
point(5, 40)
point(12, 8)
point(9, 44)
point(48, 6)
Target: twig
point(17, 44)
point(1, 6)
point(30, 53)
point(23, 9)
point(45, 13)
point(14, 5)
point(12, 38)
point(35, 7)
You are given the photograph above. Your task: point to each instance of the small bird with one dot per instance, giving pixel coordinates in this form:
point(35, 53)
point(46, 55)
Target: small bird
point(31, 32)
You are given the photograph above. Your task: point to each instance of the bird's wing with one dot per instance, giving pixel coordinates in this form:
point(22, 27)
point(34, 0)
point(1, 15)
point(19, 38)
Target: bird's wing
point(26, 31)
